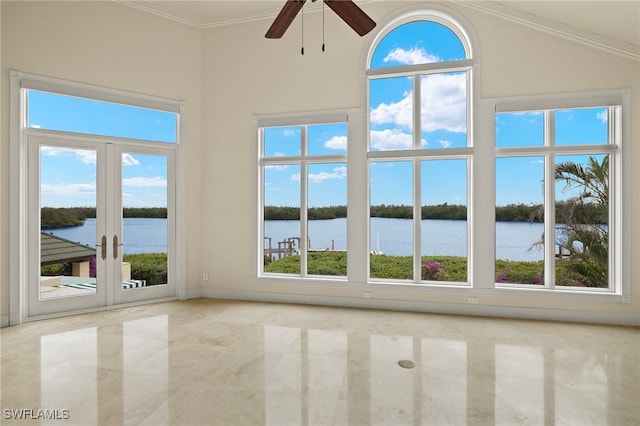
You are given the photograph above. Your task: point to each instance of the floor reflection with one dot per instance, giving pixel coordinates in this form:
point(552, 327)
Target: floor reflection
point(206, 362)
point(68, 367)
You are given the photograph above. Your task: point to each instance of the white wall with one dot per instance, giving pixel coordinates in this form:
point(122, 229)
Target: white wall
point(110, 45)
point(228, 74)
point(3, 317)
point(270, 76)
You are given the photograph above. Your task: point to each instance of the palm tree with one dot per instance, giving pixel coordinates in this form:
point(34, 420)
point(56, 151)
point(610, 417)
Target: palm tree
point(586, 217)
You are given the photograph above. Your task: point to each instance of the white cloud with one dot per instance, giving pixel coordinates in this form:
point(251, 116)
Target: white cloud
point(289, 132)
point(412, 56)
point(87, 157)
point(399, 113)
point(445, 143)
point(390, 139)
point(84, 155)
point(278, 167)
point(129, 160)
point(36, 126)
point(444, 102)
point(336, 142)
point(603, 116)
point(68, 189)
point(145, 182)
point(444, 105)
point(337, 173)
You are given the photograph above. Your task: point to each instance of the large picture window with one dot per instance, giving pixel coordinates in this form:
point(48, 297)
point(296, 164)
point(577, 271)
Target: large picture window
point(304, 199)
point(447, 193)
point(419, 81)
point(555, 197)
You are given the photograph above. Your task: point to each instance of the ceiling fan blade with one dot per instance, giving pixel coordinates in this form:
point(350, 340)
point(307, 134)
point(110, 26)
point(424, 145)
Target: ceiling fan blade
point(352, 15)
point(285, 18)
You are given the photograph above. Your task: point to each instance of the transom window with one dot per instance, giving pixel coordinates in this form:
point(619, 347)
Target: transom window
point(49, 111)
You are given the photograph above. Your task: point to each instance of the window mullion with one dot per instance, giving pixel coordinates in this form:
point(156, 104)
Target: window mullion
point(417, 219)
point(417, 211)
point(616, 277)
point(550, 202)
point(417, 112)
point(304, 202)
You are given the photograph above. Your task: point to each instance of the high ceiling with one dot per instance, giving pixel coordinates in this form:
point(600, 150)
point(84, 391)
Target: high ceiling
point(610, 25)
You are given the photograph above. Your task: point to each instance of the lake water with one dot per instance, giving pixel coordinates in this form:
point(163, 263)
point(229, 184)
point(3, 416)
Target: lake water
point(515, 240)
point(140, 235)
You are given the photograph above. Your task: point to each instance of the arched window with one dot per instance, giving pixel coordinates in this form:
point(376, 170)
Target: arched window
point(419, 87)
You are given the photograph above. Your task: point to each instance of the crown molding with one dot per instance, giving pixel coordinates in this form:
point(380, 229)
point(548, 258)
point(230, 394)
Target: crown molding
point(223, 20)
point(550, 26)
point(495, 8)
point(163, 14)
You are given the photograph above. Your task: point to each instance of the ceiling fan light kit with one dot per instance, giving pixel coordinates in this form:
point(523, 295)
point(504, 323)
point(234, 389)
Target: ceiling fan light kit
point(350, 13)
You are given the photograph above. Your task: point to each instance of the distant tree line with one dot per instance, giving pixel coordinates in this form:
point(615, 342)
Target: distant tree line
point(53, 217)
point(509, 213)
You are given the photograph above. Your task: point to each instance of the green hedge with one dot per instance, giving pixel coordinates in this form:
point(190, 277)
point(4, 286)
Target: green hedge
point(151, 267)
point(437, 268)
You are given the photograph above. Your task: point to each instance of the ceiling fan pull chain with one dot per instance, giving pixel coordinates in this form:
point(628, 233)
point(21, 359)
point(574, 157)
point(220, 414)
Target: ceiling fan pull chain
point(302, 35)
point(323, 26)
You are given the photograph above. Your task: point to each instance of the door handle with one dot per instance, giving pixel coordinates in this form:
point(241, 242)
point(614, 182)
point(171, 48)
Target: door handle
point(115, 246)
point(103, 247)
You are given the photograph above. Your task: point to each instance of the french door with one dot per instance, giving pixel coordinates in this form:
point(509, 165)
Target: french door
point(101, 222)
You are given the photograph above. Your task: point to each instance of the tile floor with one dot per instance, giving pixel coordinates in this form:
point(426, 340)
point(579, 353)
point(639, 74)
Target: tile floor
point(207, 362)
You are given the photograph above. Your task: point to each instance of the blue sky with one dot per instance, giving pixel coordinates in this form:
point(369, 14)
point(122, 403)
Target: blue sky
point(68, 174)
point(443, 125)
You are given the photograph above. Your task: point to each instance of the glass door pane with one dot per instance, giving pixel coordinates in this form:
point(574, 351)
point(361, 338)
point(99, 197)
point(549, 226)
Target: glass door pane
point(101, 224)
point(391, 220)
point(145, 215)
point(68, 230)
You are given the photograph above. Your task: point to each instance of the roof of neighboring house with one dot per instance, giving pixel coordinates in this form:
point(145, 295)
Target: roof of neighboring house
point(54, 249)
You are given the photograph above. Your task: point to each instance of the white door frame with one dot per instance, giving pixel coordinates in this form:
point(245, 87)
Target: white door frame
point(35, 305)
point(19, 171)
point(143, 294)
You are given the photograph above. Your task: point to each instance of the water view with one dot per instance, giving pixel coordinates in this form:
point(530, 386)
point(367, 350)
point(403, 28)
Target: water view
point(394, 236)
point(389, 236)
point(141, 235)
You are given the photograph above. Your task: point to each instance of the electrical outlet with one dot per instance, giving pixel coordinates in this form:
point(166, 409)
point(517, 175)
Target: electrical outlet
point(472, 300)
point(205, 276)
point(367, 294)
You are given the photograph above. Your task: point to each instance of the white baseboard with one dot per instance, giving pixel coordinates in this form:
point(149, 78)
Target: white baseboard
point(4, 320)
point(194, 293)
point(428, 307)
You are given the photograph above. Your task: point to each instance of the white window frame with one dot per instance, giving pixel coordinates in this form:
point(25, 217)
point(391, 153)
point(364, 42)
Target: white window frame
point(481, 190)
point(301, 119)
point(458, 26)
point(619, 183)
point(20, 82)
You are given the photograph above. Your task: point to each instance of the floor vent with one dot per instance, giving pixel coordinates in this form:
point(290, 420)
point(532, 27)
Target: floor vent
point(405, 363)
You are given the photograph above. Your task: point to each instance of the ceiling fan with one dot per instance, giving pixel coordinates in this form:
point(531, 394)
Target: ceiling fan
point(345, 9)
